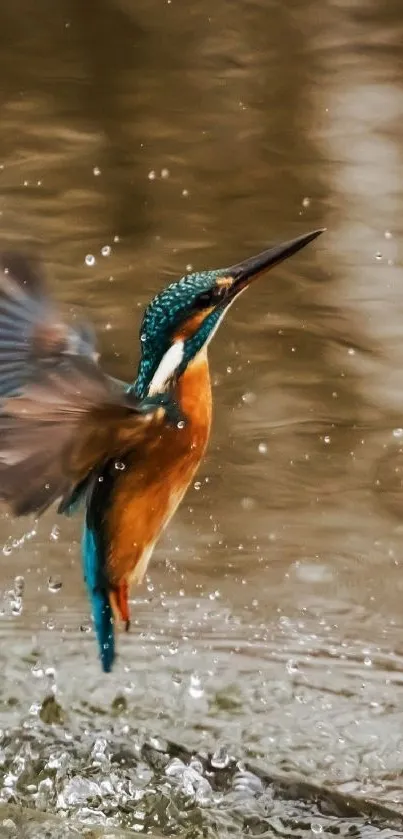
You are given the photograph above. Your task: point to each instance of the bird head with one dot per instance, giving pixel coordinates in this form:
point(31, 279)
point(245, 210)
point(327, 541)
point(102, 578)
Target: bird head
point(182, 319)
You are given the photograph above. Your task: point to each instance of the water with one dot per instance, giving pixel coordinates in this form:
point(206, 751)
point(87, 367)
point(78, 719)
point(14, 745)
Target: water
point(136, 142)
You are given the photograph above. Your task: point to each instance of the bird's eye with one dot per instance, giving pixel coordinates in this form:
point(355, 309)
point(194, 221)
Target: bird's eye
point(211, 297)
point(204, 300)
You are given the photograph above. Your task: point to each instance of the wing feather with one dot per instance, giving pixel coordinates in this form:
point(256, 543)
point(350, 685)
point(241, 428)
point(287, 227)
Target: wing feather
point(60, 415)
point(63, 425)
point(32, 329)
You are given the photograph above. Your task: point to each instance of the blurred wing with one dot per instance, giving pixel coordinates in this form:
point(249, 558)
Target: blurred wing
point(32, 331)
point(60, 416)
point(68, 421)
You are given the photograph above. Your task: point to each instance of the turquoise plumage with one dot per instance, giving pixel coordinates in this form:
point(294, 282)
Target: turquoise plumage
point(99, 599)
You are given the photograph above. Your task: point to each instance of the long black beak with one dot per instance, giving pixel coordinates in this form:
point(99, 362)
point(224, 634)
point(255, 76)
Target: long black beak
point(244, 272)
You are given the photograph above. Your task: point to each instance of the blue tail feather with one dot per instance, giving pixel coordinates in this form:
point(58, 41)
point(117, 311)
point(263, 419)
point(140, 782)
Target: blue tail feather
point(103, 621)
point(98, 594)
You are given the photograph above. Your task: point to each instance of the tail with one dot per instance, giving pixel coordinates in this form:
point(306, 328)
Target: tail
point(98, 594)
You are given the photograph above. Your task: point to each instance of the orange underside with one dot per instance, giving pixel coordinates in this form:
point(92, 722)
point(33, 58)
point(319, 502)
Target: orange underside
point(148, 494)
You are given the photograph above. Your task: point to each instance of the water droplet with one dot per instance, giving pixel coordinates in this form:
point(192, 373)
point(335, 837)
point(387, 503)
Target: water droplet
point(388, 234)
point(229, 369)
point(248, 398)
point(16, 606)
point(54, 585)
point(143, 337)
point(316, 828)
point(50, 624)
point(326, 439)
point(195, 687)
point(247, 782)
point(119, 465)
point(165, 173)
point(306, 201)
point(220, 759)
point(45, 791)
point(181, 424)
point(19, 585)
point(7, 549)
point(55, 533)
point(100, 751)
point(197, 485)
point(189, 267)
point(151, 175)
point(116, 238)
point(397, 432)
point(10, 827)
point(175, 768)
point(106, 250)
point(185, 193)
point(90, 259)
point(378, 255)
point(85, 627)
point(350, 351)
point(368, 661)
point(79, 790)
point(262, 448)
point(96, 171)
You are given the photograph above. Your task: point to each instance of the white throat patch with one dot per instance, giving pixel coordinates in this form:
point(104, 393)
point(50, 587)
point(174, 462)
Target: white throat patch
point(166, 368)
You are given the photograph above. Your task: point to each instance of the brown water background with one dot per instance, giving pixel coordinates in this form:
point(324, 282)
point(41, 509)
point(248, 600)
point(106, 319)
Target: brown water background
point(170, 134)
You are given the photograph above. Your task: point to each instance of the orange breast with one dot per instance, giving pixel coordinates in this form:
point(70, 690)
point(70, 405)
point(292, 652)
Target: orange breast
point(149, 492)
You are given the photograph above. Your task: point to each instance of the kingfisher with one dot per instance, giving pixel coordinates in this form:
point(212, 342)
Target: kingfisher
point(70, 433)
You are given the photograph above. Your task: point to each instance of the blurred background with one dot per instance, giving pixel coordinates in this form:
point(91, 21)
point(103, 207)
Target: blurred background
point(139, 140)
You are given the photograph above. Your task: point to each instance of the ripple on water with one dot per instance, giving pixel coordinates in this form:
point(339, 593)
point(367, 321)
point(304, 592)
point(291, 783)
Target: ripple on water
point(81, 780)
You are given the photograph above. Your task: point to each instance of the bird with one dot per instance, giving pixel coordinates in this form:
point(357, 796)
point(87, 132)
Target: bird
point(124, 452)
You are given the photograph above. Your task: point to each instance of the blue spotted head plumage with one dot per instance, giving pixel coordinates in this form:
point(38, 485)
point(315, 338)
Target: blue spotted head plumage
point(183, 317)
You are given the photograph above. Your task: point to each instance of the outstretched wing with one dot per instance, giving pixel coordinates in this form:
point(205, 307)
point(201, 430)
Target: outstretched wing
point(64, 423)
point(60, 415)
point(32, 329)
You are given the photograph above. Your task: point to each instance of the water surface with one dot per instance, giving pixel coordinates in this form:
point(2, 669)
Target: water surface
point(270, 626)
